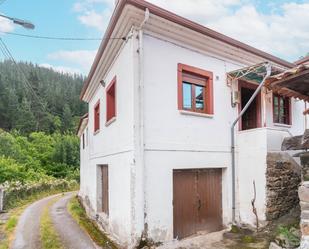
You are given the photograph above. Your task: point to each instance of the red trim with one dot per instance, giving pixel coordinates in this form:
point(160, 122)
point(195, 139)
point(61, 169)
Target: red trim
point(289, 118)
point(155, 10)
point(243, 84)
point(111, 94)
point(208, 95)
point(96, 116)
point(302, 61)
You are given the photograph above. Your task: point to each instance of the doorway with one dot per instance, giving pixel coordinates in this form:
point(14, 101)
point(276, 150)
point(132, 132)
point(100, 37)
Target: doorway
point(251, 119)
point(197, 201)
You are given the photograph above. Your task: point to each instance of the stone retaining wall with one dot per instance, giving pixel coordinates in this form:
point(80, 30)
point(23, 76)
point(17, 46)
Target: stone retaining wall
point(283, 178)
point(304, 221)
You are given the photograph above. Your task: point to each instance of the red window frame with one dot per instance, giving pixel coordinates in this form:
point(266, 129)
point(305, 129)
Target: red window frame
point(111, 100)
point(97, 116)
point(196, 77)
point(277, 118)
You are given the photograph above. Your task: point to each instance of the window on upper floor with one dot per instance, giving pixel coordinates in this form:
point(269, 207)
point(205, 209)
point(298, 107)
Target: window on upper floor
point(97, 117)
point(281, 109)
point(111, 101)
point(195, 89)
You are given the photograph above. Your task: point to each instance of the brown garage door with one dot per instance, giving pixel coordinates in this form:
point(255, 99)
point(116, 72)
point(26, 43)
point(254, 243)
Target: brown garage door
point(197, 201)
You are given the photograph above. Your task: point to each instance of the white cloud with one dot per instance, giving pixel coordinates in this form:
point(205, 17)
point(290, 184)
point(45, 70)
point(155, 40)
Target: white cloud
point(283, 32)
point(80, 58)
point(89, 15)
point(6, 25)
point(61, 69)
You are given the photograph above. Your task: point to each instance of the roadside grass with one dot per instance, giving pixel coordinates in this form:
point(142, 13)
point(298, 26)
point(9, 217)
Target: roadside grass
point(80, 216)
point(49, 237)
point(7, 228)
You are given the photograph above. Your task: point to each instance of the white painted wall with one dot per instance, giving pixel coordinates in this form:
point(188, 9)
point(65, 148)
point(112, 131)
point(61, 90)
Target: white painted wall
point(112, 146)
point(177, 141)
point(148, 114)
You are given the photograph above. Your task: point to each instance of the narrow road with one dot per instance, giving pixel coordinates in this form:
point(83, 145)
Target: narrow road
point(27, 235)
point(72, 236)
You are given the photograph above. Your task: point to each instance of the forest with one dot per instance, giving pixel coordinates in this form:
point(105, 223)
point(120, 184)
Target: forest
point(39, 114)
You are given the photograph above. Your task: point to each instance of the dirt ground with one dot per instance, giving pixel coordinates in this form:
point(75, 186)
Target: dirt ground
point(236, 238)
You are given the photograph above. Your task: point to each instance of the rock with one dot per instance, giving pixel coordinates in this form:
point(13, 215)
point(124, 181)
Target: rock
point(292, 143)
point(305, 140)
point(303, 193)
point(273, 245)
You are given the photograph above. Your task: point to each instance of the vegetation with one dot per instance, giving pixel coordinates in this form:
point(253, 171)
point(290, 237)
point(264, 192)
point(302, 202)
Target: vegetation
point(49, 237)
point(7, 228)
point(38, 157)
point(16, 194)
point(79, 214)
point(34, 98)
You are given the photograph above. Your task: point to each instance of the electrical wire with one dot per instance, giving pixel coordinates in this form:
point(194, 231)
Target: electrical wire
point(61, 38)
point(6, 52)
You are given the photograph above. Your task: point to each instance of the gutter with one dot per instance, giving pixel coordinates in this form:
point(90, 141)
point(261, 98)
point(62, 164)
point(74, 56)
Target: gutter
point(268, 72)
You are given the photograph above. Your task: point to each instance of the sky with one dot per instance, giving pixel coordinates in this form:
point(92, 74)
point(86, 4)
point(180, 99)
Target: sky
point(279, 27)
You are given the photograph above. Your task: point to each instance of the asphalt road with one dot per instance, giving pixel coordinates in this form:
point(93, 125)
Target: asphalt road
point(27, 235)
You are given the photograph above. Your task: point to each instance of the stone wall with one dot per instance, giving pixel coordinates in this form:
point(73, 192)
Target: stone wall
point(283, 178)
point(304, 221)
point(304, 159)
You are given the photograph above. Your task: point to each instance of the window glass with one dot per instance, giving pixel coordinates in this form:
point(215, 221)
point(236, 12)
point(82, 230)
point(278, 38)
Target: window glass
point(187, 95)
point(199, 97)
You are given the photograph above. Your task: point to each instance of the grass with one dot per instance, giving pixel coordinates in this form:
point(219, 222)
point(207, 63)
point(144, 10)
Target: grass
point(7, 229)
point(80, 216)
point(49, 237)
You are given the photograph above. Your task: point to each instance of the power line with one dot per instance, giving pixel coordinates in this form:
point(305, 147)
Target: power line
point(62, 38)
point(6, 52)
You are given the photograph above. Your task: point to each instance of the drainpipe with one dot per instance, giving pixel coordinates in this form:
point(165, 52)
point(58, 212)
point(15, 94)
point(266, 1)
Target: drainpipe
point(141, 113)
point(268, 72)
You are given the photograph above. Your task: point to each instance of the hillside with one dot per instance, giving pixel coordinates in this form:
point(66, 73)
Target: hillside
point(50, 104)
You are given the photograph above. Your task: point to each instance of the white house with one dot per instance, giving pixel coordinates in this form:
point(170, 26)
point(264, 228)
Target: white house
point(156, 145)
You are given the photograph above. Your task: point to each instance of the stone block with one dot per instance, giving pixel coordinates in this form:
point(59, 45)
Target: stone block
point(304, 227)
point(305, 214)
point(303, 193)
point(304, 205)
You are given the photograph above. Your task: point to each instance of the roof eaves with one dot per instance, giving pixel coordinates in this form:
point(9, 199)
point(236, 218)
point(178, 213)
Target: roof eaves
point(141, 4)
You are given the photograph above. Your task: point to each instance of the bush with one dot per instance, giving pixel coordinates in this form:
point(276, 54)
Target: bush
point(38, 156)
point(17, 191)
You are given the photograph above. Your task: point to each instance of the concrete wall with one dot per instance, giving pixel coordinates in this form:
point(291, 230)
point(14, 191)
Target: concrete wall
point(113, 146)
point(251, 166)
point(177, 141)
point(150, 137)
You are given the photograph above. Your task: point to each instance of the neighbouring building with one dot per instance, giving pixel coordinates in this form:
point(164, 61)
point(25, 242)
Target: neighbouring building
point(163, 93)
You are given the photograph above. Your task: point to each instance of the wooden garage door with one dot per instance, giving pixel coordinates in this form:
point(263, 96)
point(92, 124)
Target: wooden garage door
point(197, 201)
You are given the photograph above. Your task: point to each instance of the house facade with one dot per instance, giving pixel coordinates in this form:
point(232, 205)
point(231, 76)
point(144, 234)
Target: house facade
point(156, 144)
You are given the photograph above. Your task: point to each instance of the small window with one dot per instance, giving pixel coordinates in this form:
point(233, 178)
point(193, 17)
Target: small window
point(281, 109)
point(97, 117)
point(111, 100)
point(195, 89)
point(83, 140)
